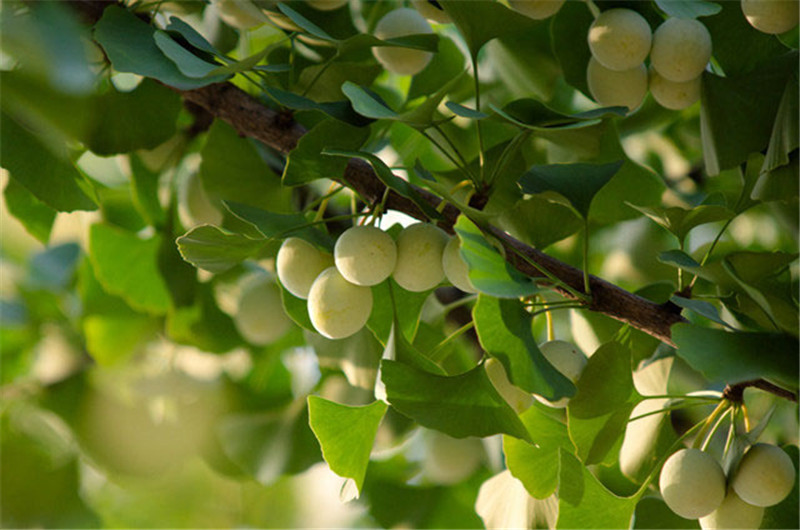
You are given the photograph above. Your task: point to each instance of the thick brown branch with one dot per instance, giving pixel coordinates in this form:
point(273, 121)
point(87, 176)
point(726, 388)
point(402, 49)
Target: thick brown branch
point(252, 119)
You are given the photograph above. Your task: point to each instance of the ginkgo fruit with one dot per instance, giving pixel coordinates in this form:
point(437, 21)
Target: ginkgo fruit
point(641, 437)
point(733, 513)
point(620, 39)
point(455, 267)
point(681, 49)
point(431, 11)
point(771, 16)
point(298, 264)
point(611, 88)
point(338, 308)
point(518, 399)
point(240, 14)
point(399, 23)
point(259, 316)
point(673, 95)
point(420, 247)
point(567, 359)
point(450, 460)
point(537, 9)
point(326, 5)
point(692, 483)
point(365, 255)
point(765, 475)
point(199, 207)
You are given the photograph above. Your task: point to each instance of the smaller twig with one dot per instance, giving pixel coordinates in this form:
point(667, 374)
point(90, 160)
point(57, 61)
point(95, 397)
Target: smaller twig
point(734, 393)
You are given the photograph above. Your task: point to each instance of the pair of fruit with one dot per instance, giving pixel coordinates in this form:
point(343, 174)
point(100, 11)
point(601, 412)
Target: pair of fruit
point(693, 486)
point(620, 40)
point(564, 356)
point(338, 288)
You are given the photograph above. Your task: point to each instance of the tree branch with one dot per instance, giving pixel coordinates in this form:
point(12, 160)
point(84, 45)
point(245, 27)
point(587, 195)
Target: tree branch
point(252, 119)
point(735, 392)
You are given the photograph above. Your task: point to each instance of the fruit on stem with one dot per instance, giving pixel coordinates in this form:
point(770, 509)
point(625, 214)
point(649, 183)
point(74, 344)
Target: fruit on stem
point(365, 255)
point(765, 475)
point(536, 9)
point(338, 308)
point(199, 207)
point(620, 39)
point(637, 454)
point(420, 247)
point(733, 513)
point(611, 88)
point(399, 23)
point(455, 267)
point(259, 317)
point(673, 95)
point(692, 483)
point(771, 16)
point(567, 359)
point(298, 264)
point(681, 49)
point(518, 399)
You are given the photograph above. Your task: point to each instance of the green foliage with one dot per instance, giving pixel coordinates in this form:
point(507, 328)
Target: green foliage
point(130, 397)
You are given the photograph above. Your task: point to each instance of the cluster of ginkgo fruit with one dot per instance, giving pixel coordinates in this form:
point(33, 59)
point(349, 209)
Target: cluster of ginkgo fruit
point(337, 287)
point(694, 486)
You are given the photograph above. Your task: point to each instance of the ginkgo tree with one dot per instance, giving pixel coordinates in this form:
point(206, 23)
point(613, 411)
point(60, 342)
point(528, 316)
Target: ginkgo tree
point(429, 264)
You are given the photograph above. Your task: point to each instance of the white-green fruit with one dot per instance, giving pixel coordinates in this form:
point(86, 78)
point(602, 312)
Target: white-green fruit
point(681, 49)
point(692, 483)
point(419, 257)
point(672, 95)
point(733, 513)
point(431, 12)
point(338, 308)
point(518, 399)
point(259, 317)
point(611, 88)
point(241, 14)
point(771, 16)
point(455, 267)
point(450, 460)
point(567, 359)
point(198, 205)
point(298, 264)
point(365, 255)
point(537, 9)
point(326, 5)
point(399, 23)
point(620, 39)
point(641, 437)
point(765, 475)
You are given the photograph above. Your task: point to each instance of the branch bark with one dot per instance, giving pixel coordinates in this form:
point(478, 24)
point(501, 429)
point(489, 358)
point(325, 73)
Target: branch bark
point(252, 119)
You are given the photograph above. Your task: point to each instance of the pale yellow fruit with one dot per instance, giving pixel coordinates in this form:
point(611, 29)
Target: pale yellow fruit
point(567, 359)
point(681, 49)
point(338, 308)
point(733, 513)
point(419, 257)
point(610, 88)
point(455, 267)
point(765, 475)
point(672, 95)
point(298, 264)
point(241, 14)
point(326, 5)
point(399, 23)
point(692, 483)
point(259, 316)
point(771, 16)
point(365, 255)
point(201, 210)
point(504, 503)
point(518, 399)
point(641, 437)
point(536, 9)
point(620, 39)
point(431, 12)
point(450, 460)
